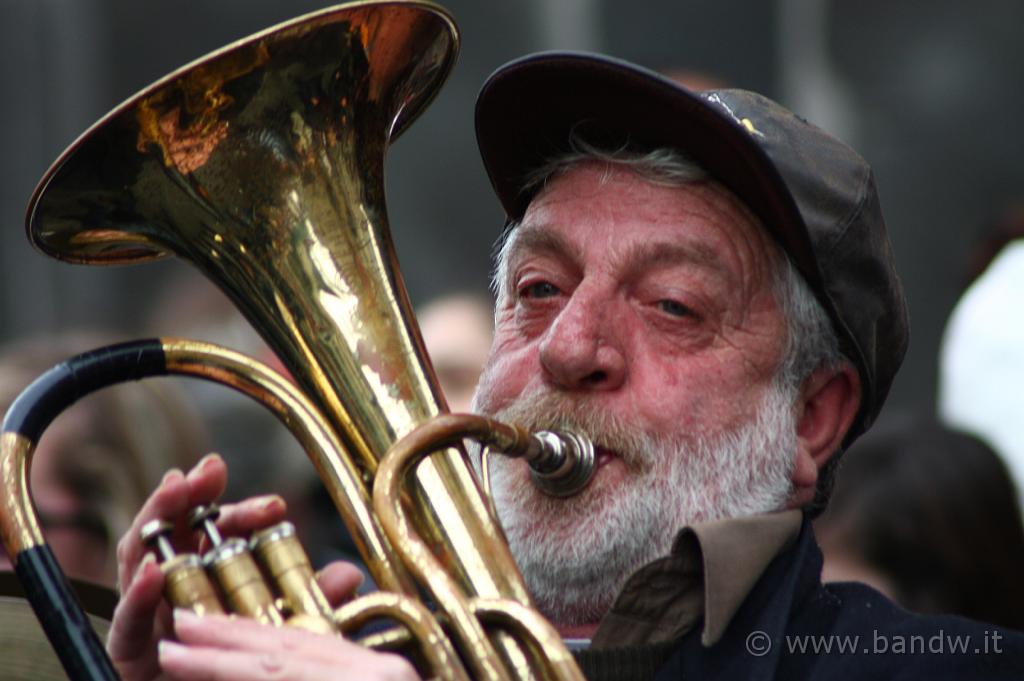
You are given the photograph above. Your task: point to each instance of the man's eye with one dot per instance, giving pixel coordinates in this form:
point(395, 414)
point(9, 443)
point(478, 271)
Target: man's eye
point(674, 308)
point(540, 289)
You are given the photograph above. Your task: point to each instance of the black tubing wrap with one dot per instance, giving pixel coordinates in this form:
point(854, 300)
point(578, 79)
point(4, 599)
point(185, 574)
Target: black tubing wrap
point(62, 618)
point(61, 386)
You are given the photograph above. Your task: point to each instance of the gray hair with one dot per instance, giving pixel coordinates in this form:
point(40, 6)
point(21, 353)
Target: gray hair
point(664, 167)
point(811, 340)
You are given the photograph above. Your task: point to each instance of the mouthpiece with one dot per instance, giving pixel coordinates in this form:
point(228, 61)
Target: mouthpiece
point(561, 463)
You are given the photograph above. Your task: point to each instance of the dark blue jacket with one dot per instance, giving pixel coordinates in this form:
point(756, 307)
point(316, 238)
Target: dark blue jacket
point(792, 627)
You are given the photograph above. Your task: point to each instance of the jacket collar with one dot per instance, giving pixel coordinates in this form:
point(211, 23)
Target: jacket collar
point(752, 644)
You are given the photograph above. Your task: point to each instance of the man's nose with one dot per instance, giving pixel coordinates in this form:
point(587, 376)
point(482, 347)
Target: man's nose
point(581, 350)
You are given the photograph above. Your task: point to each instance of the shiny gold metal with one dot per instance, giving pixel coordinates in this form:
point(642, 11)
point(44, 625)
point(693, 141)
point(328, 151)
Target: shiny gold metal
point(234, 569)
point(19, 524)
point(277, 197)
point(528, 627)
point(392, 639)
point(186, 584)
point(262, 165)
point(241, 582)
point(278, 551)
point(434, 645)
point(542, 652)
point(340, 476)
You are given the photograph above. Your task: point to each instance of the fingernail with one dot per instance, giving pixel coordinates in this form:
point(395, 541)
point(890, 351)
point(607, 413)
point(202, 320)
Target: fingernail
point(209, 459)
point(271, 502)
point(184, 615)
point(170, 650)
point(204, 464)
point(173, 473)
point(146, 560)
point(362, 578)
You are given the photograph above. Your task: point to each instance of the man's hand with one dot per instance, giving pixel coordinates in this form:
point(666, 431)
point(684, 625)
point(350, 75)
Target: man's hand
point(213, 648)
point(142, 618)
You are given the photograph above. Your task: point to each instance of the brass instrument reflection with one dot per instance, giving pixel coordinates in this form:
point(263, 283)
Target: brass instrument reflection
point(262, 165)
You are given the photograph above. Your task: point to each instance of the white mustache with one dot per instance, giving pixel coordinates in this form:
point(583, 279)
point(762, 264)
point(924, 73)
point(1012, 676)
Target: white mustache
point(548, 410)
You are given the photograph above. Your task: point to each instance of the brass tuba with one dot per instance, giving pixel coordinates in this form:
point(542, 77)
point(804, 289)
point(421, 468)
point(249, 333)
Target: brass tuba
point(262, 165)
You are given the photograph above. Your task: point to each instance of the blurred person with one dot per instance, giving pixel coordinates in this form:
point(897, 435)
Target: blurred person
point(981, 361)
point(928, 516)
point(190, 305)
point(101, 458)
point(457, 331)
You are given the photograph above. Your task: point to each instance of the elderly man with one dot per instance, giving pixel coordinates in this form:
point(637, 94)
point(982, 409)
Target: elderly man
point(703, 284)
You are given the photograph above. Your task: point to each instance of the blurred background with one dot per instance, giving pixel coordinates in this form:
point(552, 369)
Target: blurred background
point(929, 91)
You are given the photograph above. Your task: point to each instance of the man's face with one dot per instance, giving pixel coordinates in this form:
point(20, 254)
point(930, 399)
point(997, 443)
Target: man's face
point(644, 316)
point(651, 303)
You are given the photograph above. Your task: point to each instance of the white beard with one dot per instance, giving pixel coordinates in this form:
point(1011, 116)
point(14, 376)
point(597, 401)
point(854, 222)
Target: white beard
point(575, 554)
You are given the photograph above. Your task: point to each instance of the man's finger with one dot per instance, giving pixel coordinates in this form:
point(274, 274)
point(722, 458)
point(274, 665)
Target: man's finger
point(339, 581)
point(244, 634)
point(168, 500)
point(131, 631)
point(255, 513)
point(207, 480)
point(192, 663)
point(172, 498)
point(185, 663)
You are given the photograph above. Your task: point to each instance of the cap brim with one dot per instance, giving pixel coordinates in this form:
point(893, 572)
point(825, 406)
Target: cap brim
point(528, 108)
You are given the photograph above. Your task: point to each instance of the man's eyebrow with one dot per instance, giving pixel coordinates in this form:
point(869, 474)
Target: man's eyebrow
point(534, 239)
point(655, 253)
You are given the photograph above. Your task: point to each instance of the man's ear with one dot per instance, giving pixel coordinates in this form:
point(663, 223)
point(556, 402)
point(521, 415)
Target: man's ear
point(828, 403)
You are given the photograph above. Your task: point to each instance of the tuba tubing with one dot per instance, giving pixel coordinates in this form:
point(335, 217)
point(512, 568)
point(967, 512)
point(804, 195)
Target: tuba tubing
point(261, 164)
point(64, 620)
point(48, 396)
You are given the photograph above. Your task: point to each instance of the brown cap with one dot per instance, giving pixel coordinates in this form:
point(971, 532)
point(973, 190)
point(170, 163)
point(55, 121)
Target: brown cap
point(813, 192)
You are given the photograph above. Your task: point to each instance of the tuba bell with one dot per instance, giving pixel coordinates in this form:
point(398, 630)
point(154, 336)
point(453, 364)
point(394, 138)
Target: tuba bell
point(261, 164)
